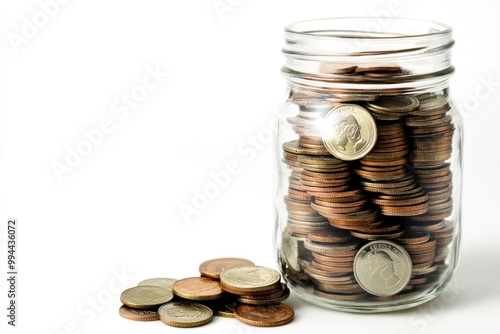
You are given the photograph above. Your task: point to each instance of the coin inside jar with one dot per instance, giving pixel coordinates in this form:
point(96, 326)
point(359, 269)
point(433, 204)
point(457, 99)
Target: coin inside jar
point(349, 132)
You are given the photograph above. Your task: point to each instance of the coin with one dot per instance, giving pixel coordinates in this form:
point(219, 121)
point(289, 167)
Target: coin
point(145, 297)
point(382, 268)
point(137, 314)
point(265, 315)
point(349, 132)
point(249, 279)
point(213, 268)
point(185, 314)
point(162, 282)
point(198, 288)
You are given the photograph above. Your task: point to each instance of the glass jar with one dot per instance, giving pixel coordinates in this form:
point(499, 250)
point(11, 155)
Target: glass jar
point(368, 203)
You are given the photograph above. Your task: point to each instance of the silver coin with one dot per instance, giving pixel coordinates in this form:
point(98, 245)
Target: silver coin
point(382, 268)
point(185, 314)
point(349, 132)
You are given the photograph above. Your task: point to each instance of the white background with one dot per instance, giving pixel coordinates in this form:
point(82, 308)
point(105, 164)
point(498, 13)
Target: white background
point(114, 219)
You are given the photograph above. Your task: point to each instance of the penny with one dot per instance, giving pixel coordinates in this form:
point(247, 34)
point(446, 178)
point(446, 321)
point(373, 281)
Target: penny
point(185, 314)
point(265, 315)
point(414, 238)
point(382, 268)
point(198, 288)
point(138, 314)
point(330, 236)
point(145, 297)
point(213, 268)
point(388, 67)
point(249, 279)
point(377, 236)
point(274, 298)
point(349, 132)
point(162, 282)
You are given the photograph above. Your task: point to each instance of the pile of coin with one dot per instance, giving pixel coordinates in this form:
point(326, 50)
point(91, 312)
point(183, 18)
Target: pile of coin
point(227, 287)
point(367, 166)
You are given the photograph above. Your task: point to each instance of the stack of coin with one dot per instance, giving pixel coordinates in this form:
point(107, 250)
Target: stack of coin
point(227, 287)
point(384, 173)
point(400, 190)
point(141, 303)
point(431, 133)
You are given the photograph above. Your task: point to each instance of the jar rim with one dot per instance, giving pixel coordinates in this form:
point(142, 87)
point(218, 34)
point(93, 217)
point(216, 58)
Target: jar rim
point(365, 28)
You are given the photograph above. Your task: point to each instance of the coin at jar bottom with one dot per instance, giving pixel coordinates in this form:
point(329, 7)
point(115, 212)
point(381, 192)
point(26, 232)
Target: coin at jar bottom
point(185, 314)
point(382, 268)
point(265, 315)
point(137, 314)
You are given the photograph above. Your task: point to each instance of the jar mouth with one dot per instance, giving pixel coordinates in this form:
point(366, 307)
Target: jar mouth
point(368, 28)
point(422, 49)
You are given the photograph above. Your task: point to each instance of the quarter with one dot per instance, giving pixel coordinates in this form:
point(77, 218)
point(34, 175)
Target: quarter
point(382, 268)
point(349, 132)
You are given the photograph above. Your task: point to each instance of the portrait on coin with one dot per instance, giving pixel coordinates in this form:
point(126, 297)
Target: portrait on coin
point(348, 134)
point(381, 268)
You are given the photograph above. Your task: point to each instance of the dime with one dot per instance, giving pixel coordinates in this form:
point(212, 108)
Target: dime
point(137, 314)
point(349, 132)
point(198, 288)
point(162, 282)
point(185, 314)
point(249, 279)
point(213, 268)
point(145, 297)
point(265, 316)
point(382, 268)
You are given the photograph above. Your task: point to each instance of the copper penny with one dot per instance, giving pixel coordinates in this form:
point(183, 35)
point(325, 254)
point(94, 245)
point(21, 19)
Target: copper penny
point(265, 315)
point(198, 288)
point(330, 236)
point(213, 268)
point(137, 314)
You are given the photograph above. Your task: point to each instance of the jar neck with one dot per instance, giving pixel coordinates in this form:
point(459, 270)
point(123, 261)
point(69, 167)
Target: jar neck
point(318, 52)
